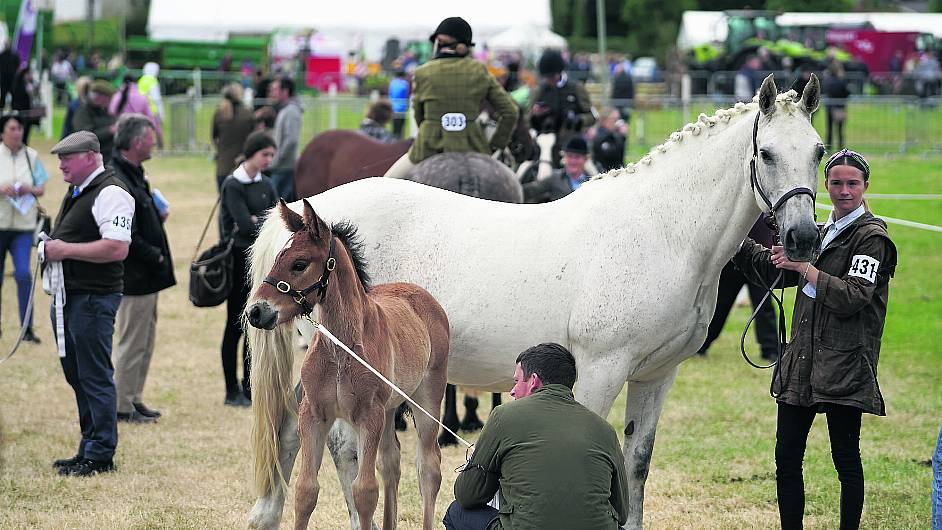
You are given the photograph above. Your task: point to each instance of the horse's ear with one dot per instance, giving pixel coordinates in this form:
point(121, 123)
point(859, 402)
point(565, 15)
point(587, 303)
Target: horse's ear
point(811, 96)
point(767, 94)
point(312, 220)
point(292, 220)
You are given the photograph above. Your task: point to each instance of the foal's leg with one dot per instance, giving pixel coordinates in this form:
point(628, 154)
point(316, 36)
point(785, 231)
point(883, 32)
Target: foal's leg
point(365, 489)
point(389, 469)
point(313, 439)
point(428, 454)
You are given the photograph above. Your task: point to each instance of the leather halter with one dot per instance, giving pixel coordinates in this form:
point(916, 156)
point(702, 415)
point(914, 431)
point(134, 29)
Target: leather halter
point(300, 295)
point(754, 176)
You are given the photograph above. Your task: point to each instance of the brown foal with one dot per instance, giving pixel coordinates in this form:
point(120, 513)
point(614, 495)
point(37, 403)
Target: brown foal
point(399, 328)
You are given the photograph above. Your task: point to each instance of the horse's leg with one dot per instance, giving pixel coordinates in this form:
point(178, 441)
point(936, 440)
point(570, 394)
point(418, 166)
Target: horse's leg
point(495, 400)
point(428, 455)
point(266, 514)
point(401, 424)
point(369, 427)
point(450, 416)
point(389, 470)
point(645, 401)
point(313, 439)
point(342, 443)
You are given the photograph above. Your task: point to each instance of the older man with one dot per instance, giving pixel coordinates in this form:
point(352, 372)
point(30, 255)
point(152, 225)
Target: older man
point(84, 259)
point(148, 269)
point(93, 115)
point(553, 462)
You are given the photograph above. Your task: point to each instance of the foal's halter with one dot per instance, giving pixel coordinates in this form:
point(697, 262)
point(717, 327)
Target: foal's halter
point(757, 189)
point(300, 295)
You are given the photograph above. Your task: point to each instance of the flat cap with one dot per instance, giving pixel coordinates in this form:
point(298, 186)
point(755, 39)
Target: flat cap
point(100, 86)
point(77, 142)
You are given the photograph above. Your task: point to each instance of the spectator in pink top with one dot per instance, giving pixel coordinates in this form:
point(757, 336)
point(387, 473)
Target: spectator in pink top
point(128, 99)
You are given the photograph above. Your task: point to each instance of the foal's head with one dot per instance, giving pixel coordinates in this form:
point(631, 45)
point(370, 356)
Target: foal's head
point(304, 270)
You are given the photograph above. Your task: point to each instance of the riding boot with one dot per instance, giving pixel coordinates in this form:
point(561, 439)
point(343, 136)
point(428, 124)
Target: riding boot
point(449, 417)
point(471, 421)
point(401, 417)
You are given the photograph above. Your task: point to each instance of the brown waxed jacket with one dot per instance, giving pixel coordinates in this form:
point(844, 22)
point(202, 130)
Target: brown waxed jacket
point(835, 342)
point(453, 88)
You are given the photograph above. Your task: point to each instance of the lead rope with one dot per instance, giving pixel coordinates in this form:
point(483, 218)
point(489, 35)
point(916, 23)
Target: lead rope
point(29, 313)
point(320, 327)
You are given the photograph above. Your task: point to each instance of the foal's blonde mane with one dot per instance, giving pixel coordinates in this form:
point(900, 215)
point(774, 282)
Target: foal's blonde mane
point(788, 101)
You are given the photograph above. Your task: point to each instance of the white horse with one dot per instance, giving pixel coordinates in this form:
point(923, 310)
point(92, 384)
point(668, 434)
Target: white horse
point(623, 271)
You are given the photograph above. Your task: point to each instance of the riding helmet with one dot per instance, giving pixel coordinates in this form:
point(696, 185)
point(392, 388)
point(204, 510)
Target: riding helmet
point(576, 145)
point(551, 62)
point(456, 28)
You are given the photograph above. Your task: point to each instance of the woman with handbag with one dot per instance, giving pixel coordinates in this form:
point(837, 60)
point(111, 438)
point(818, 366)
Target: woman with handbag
point(246, 195)
point(19, 211)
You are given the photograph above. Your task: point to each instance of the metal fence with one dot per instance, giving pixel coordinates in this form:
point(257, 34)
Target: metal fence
point(884, 125)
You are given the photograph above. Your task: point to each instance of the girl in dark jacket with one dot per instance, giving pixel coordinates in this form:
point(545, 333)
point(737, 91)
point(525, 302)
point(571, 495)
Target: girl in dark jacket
point(830, 366)
point(246, 195)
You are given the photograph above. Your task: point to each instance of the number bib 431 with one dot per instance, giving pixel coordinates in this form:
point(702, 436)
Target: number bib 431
point(454, 121)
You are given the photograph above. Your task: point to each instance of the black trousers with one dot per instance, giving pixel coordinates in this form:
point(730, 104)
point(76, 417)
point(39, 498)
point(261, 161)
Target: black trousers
point(791, 436)
point(234, 333)
point(838, 127)
point(731, 282)
point(458, 518)
point(398, 124)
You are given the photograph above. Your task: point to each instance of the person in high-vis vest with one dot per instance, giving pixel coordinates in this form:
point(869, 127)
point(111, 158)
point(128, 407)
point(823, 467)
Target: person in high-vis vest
point(149, 86)
point(446, 99)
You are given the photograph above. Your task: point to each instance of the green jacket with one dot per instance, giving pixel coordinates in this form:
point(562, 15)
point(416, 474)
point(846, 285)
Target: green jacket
point(556, 464)
point(446, 99)
point(835, 342)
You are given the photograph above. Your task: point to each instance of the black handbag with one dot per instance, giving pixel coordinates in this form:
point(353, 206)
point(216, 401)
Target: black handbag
point(211, 271)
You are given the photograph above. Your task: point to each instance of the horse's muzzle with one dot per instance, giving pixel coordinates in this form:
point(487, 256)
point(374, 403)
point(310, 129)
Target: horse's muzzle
point(800, 241)
point(262, 315)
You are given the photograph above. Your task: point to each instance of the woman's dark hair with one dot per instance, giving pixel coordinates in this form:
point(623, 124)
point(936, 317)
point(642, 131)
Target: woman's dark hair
point(380, 111)
point(10, 116)
point(552, 362)
point(125, 88)
point(257, 141)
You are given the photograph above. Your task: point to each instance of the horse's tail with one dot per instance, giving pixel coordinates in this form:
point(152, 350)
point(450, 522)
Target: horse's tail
point(272, 361)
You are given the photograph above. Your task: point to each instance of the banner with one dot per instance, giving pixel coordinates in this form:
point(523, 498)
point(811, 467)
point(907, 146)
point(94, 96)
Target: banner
point(25, 31)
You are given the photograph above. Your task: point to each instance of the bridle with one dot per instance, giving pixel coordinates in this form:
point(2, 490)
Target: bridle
point(300, 295)
point(754, 177)
point(757, 190)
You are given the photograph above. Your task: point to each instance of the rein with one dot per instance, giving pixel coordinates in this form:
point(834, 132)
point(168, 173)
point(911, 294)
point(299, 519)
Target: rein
point(300, 295)
point(773, 208)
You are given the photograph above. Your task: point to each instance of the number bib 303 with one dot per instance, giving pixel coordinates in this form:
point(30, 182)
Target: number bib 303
point(454, 121)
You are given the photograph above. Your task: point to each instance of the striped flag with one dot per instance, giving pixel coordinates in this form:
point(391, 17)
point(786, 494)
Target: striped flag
point(25, 31)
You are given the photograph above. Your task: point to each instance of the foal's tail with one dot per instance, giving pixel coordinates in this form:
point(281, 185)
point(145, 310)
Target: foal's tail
point(272, 361)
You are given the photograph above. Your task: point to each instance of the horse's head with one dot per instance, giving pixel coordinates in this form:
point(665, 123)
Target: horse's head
point(786, 153)
point(299, 278)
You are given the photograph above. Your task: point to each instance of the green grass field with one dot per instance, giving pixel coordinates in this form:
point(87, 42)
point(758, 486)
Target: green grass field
point(712, 467)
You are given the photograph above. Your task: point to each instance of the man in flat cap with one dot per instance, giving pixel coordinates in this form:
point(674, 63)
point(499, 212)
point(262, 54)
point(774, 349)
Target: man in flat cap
point(93, 115)
point(90, 239)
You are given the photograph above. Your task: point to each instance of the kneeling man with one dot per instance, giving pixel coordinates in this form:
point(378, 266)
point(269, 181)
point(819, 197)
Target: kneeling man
point(553, 462)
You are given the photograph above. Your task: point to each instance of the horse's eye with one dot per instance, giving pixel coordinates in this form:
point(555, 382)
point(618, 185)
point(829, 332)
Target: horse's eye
point(299, 266)
point(766, 156)
point(820, 152)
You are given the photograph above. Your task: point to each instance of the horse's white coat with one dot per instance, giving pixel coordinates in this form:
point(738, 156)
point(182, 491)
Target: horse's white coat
point(623, 271)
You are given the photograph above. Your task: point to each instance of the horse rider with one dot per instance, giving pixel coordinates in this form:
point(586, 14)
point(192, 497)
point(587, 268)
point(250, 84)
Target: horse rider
point(447, 96)
point(561, 106)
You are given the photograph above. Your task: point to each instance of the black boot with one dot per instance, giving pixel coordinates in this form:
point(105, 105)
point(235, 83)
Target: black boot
point(471, 421)
point(449, 417)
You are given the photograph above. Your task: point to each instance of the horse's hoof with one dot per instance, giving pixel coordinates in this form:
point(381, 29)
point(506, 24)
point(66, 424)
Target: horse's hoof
point(446, 440)
point(471, 425)
point(262, 517)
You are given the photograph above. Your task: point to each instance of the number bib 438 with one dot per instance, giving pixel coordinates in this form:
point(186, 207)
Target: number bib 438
point(454, 121)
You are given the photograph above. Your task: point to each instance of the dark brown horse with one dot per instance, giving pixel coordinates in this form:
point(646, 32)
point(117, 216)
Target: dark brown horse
point(398, 328)
point(337, 157)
